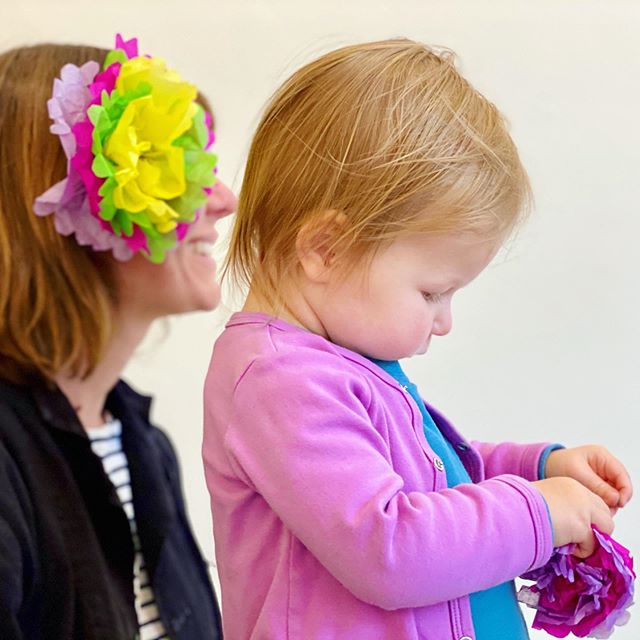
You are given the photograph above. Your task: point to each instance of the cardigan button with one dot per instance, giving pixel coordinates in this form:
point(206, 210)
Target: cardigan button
point(439, 465)
point(465, 638)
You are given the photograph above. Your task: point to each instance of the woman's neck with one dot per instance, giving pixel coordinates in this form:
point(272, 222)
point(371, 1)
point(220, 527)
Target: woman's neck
point(88, 395)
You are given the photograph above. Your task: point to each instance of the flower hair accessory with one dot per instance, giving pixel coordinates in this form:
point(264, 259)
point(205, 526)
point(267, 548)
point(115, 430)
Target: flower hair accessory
point(587, 597)
point(139, 167)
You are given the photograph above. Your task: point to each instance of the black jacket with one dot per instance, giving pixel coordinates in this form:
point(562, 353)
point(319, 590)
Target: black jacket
point(66, 554)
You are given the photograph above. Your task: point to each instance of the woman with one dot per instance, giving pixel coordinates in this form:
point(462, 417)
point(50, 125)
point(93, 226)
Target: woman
point(94, 538)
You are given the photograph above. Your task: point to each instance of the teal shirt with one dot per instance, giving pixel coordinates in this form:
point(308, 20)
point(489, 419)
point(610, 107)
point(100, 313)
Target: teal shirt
point(495, 612)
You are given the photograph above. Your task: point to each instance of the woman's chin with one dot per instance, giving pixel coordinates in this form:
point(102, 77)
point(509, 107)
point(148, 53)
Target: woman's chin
point(200, 289)
point(209, 300)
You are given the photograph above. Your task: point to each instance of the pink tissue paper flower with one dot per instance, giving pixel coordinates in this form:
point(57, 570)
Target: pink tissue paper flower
point(584, 596)
point(68, 200)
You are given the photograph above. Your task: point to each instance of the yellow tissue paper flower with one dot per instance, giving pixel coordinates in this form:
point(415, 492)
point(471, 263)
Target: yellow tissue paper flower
point(148, 169)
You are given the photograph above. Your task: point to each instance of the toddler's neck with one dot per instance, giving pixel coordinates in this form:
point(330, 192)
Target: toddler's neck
point(294, 309)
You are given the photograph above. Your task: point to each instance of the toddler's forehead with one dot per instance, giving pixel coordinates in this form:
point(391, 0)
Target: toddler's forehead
point(454, 259)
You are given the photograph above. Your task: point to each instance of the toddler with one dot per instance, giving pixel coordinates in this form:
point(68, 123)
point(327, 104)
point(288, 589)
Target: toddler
point(378, 184)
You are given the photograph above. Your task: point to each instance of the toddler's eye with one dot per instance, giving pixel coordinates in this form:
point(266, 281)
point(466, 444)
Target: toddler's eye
point(432, 297)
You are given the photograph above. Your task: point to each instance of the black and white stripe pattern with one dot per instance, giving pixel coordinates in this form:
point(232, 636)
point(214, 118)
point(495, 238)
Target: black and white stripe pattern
point(106, 442)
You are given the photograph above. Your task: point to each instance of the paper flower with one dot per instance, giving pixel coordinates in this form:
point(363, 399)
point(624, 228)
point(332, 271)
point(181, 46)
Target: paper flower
point(68, 199)
point(584, 596)
point(138, 145)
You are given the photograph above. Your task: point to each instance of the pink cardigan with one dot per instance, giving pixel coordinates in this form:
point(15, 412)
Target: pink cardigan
point(331, 515)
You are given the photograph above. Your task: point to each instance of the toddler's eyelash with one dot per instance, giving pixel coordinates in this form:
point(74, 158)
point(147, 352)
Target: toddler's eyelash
point(432, 297)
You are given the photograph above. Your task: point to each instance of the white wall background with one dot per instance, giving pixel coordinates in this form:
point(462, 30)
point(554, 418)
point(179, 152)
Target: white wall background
point(546, 343)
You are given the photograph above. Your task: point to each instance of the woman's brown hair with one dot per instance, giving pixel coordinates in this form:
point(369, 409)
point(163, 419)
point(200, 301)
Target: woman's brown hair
point(56, 297)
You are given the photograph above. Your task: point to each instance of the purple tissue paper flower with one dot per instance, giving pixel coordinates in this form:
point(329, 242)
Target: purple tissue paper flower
point(68, 199)
point(584, 596)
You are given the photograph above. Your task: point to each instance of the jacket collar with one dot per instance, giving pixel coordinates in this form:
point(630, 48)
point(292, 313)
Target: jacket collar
point(123, 398)
point(57, 411)
point(55, 408)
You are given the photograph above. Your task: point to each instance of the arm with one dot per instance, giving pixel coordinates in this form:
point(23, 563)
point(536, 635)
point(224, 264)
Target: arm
point(524, 460)
point(314, 455)
point(16, 564)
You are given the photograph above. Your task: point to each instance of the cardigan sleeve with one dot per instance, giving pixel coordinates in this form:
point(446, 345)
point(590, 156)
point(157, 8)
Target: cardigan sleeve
point(300, 434)
point(522, 460)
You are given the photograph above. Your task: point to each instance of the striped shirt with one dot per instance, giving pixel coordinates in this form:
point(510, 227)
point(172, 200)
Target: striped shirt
point(106, 442)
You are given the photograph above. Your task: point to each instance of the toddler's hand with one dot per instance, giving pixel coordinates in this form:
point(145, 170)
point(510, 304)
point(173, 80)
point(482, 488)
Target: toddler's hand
point(573, 509)
point(595, 468)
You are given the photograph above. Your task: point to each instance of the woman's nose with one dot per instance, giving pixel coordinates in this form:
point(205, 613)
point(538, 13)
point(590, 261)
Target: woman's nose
point(221, 201)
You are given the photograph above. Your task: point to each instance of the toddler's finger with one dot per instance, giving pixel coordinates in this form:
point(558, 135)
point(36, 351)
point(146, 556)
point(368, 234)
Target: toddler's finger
point(610, 495)
point(625, 489)
point(625, 495)
point(617, 476)
point(603, 520)
point(601, 488)
point(585, 548)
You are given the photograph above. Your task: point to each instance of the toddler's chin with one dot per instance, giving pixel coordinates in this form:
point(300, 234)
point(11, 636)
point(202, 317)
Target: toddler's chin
point(422, 349)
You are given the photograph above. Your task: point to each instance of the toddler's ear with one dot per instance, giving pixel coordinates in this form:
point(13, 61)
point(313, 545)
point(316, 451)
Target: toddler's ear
point(316, 242)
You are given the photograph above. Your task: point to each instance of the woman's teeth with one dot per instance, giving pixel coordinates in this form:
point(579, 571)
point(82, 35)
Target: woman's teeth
point(203, 248)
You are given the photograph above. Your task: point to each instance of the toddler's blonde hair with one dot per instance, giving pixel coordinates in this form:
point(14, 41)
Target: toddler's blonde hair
point(391, 136)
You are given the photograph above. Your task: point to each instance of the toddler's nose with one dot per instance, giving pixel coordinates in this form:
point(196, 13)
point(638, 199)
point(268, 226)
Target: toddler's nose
point(443, 321)
point(222, 201)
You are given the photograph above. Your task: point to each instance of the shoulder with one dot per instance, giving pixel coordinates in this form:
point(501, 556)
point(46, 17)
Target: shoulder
point(9, 474)
point(285, 373)
point(16, 509)
point(299, 363)
point(19, 417)
point(15, 400)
